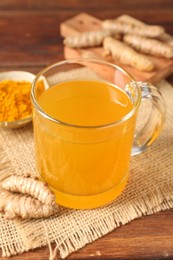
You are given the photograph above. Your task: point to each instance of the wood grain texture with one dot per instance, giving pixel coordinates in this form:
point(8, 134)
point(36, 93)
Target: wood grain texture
point(30, 40)
point(148, 238)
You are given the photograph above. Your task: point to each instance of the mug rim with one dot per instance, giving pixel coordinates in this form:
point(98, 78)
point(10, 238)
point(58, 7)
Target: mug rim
point(79, 60)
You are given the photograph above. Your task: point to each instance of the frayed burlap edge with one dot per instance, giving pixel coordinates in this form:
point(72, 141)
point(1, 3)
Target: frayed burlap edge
point(160, 199)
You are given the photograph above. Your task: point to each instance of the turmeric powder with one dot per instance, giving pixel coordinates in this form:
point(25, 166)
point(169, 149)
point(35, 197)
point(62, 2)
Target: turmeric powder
point(15, 103)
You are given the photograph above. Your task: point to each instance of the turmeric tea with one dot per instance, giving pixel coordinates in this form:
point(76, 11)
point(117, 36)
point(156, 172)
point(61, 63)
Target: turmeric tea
point(15, 103)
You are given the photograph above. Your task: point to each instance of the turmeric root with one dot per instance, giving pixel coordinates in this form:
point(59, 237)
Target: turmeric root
point(125, 18)
point(126, 55)
point(17, 205)
point(86, 39)
point(149, 46)
point(122, 27)
point(30, 186)
point(165, 37)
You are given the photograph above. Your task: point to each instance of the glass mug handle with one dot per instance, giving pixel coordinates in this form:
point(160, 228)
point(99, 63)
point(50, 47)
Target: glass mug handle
point(151, 129)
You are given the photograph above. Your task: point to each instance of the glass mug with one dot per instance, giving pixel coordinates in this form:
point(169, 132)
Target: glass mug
point(84, 119)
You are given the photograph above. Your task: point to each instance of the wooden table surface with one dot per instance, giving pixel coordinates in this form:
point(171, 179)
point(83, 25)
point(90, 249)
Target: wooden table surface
point(30, 40)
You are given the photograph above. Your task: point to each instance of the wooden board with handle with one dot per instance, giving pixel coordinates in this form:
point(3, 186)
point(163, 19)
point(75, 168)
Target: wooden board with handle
point(84, 22)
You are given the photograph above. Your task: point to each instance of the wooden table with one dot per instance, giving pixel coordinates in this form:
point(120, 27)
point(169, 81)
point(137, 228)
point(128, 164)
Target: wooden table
point(30, 40)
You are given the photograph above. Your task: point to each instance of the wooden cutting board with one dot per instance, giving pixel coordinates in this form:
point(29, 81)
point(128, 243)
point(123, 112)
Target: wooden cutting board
point(84, 22)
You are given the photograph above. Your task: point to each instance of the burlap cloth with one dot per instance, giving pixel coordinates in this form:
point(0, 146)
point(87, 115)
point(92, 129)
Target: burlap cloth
point(149, 190)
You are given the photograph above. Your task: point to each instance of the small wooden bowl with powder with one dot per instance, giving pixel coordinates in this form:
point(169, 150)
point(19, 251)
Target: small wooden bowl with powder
point(15, 103)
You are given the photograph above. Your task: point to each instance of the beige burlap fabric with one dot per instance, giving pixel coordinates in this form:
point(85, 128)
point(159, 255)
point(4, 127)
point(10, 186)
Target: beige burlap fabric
point(149, 190)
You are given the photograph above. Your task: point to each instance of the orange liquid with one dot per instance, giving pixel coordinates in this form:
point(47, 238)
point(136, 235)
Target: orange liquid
point(85, 167)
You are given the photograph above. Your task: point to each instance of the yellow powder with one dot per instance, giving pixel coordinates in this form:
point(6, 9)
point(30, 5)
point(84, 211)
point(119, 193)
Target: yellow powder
point(15, 103)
